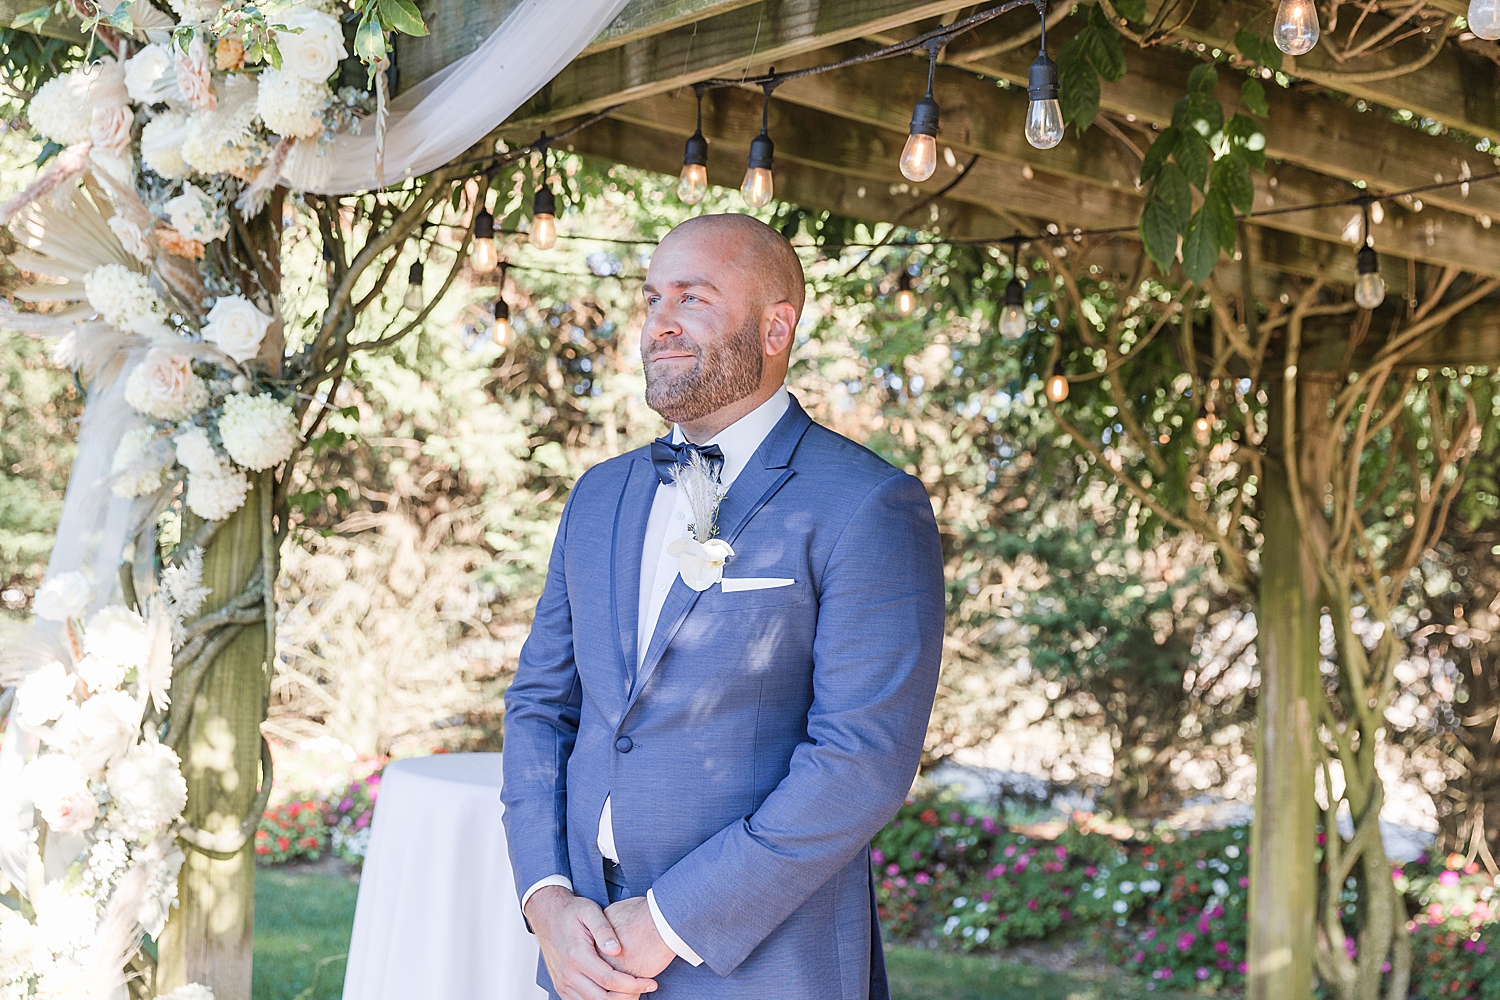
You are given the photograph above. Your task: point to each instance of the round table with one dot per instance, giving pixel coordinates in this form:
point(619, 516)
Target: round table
point(437, 913)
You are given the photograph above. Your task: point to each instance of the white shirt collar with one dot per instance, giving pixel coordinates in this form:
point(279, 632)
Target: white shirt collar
point(740, 439)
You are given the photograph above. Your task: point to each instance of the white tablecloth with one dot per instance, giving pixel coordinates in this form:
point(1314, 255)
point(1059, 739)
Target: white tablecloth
point(437, 913)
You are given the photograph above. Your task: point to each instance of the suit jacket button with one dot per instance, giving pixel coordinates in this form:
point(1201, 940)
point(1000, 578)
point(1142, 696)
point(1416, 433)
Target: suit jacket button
point(623, 744)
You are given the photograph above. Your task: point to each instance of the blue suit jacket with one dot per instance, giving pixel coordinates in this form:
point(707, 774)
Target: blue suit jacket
point(769, 733)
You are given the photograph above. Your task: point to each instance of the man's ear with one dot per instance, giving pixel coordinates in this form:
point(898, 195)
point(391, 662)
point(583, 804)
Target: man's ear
point(778, 327)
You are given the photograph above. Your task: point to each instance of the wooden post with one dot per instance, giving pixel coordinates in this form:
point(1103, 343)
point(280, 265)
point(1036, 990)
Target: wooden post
point(208, 938)
point(1283, 870)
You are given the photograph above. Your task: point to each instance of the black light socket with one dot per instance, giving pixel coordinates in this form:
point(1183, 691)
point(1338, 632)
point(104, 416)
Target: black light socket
point(484, 225)
point(1015, 295)
point(696, 151)
point(1041, 84)
point(1366, 261)
point(545, 203)
point(416, 274)
point(500, 309)
point(762, 152)
point(924, 117)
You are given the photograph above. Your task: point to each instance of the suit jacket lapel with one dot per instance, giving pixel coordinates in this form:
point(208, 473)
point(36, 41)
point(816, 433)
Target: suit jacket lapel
point(750, 491)
point(625, 557)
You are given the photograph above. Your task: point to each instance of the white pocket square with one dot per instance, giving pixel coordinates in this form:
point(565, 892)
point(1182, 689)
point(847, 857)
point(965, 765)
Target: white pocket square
point(733, 584)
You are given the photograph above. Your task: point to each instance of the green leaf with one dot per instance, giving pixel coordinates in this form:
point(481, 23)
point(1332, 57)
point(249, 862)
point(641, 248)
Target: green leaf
point(1171, 190)
point(402, 16)
point(1248, 44)
point(1202, 113)
point(1203, 79)
point(1164, 146)
point(1078, 83)
point(1217, 208)
point(1131, 10)
point(1254, 96)
point(369, 40)
point(1192, 155)
point(1270, 56)
point(1200, 246)
point(1159, 234)
point(1231, 176)
point(33, 20)
point(1101, 40)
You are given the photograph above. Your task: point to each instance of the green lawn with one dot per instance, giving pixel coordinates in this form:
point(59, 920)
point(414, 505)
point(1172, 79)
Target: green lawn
point(303, 920)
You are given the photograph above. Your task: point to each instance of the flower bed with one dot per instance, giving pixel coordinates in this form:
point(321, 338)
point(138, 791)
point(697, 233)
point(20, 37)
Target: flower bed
point(306, 826)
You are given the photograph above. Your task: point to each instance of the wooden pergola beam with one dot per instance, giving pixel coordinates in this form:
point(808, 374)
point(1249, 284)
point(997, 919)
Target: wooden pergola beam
point(56, 26)
point(1318, 132)
point(769, 31)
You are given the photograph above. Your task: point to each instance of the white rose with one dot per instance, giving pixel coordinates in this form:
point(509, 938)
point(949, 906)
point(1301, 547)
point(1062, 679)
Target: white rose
point(196, 454)
point(195, 11)
point(150, 77)
point(146, 789)
point(62, 597)
point(116, 634)
point(44, 695)
point(59, 788)
point(194, 215)
point(104, 729)
point(109, 128)
point(163, 385)
point(100, 675)
point(236, 326)
point(131, 236)
point(257, 431)
point(313, 44)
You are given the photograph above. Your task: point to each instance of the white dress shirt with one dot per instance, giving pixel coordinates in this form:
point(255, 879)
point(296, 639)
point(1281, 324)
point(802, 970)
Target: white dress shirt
point(668, 522)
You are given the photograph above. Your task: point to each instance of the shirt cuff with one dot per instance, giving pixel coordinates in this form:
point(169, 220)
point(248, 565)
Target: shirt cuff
point(561, 880)
point(668, 935)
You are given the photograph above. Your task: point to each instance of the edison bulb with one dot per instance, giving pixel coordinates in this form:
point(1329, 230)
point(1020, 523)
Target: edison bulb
point(414, 300)
point(484, 258)
point(1296, 28)
point(1044, 123)
point(1484, 18)
point(1057, 387)
point(1202, 427)
point(692, 185)
point(501, 331)
point(1012, 322)
point(1369, 290)
point(757, 187)
point(906, 301)
point(544, 231)
point(919, 158)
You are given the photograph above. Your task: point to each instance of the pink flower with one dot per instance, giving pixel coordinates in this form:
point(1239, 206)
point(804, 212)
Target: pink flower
point(193, 76)
point(877, 856)
point(1031, 904)
point(1221, 947)
point(1202, 973)
point(985, 897)
point(1091, 871)
point(996, 872)
point(1350, 948)
point(1062, 853)
point(923, 878)
point(1138, 957)
point(987, 825)
point(893, 869)
point(1009, 851)
point(1185, 940)
point(1448, 878)
point(1244, 883)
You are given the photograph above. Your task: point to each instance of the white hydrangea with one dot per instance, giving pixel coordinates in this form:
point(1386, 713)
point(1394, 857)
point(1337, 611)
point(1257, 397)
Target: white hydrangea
point(100, 675)
point(65, 919)
point(161, 895)
point(164, 385)
point(214, 498)
point(44, 695)
point(105, 727)
point(196, 454)
point(146, 790)
point(140, 463)
point(223, 140)
point(195, 11)
point(63, 596)
point(125, 299)
point(257, 431)
point(62, 109)
point(197, 216)
point(161, 144)
point(116, 634)
point(291, 105)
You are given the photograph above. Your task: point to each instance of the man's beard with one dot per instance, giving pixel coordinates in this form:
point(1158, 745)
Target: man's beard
point(725, 373)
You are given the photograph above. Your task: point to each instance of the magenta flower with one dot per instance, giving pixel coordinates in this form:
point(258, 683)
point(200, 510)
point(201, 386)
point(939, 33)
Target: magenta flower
point(893, 869)
point(1185, 940)
point(877, 856)
point(1062, 853)
point(1010, 851)
point(1138, 957)
point(1449, 878)
point(1031, 904)
point(1202, 973)
point(987, 825)
point(1222, 947)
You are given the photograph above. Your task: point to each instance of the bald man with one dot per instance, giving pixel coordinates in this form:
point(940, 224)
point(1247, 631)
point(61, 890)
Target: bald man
point(696, 760)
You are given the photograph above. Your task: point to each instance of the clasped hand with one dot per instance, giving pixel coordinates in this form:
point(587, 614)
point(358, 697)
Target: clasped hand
point(594, 954)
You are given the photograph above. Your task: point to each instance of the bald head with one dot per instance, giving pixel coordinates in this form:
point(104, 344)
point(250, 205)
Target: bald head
point(756, 248)
point(723, 296)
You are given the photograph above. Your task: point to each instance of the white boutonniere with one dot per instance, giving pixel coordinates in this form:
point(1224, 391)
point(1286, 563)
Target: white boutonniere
point(700, 558)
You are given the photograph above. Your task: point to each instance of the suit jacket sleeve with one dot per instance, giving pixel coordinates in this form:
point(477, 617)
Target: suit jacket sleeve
point(875, 670)
point(542, 708)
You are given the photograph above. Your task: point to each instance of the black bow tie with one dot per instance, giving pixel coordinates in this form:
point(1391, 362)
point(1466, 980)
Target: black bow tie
point(666, 456)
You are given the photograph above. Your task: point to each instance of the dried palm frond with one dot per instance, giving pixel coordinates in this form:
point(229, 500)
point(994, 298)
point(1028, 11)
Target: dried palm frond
point(69, 164)
point(67, 242)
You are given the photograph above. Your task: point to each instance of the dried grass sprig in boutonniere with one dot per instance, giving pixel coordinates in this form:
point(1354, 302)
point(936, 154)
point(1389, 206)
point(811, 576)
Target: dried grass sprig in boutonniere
point(700, 558)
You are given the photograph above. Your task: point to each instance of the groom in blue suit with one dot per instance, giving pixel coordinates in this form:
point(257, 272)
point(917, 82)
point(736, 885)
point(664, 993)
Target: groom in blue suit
point(695, 761)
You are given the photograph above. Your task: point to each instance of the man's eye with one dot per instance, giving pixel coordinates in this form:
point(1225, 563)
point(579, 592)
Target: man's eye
point(690, 298)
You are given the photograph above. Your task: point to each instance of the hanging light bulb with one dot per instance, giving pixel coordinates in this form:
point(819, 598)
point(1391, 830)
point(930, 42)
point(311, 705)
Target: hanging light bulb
point(544, 218)
point(1013, 315)
point(482, 255)
point(906, 299)
point(1484, 18)
point(692, 184)
point(1296, 28)
point(1203, 426)
point(1369, 287)
point(1044, 124)
point(758, 185)
point(501, 331)
point(919, 158)
point(1057, 385)
point(414, 300)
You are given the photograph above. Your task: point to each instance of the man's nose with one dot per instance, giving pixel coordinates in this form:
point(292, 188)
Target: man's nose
point(661, 323)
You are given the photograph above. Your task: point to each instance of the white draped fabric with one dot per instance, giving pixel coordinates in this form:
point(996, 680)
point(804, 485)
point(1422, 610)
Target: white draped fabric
point(437, 913)
point(454, 108)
